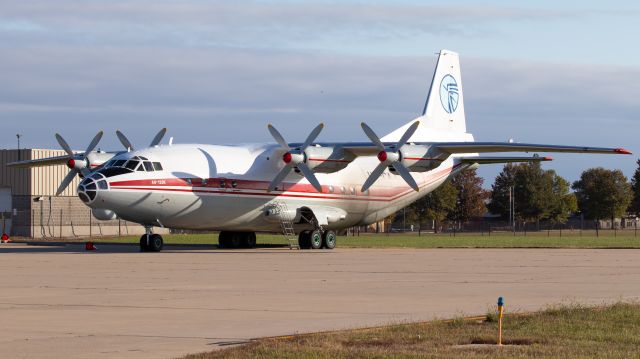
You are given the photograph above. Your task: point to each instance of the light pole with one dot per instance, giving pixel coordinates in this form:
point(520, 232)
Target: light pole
point(18, 137)
point(512, 208)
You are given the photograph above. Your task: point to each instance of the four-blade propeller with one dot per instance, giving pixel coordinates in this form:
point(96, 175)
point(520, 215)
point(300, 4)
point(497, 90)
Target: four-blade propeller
point(129, 147)
point(295, 158)
point(77, 162)
point(390, 156)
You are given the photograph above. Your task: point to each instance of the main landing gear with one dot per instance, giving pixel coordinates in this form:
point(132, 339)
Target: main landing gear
point(237, 239)
point(317, 239)
point(151, 242)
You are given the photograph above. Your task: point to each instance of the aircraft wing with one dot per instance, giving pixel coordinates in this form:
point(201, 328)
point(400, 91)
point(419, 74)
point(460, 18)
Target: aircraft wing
point(479, 147)
point(368, 149)
point(482, 160)
point(49, 161)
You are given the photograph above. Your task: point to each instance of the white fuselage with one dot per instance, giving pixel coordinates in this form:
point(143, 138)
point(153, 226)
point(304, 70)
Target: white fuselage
point(225, 188)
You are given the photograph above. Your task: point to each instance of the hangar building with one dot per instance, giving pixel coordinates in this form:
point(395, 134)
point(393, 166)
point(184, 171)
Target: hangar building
point(30, 208)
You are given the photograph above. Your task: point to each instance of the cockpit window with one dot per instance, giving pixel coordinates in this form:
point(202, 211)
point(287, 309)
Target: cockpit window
point(114, 171)
point(137, 163)
point(132, 164)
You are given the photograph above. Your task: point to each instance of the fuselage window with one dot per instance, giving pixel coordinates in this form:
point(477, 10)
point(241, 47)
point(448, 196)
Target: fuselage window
point(141, 167)
point(330, 189)
point(119, 163)
point(102, 185)
point(148, 166)
point(132, 164)
point(222, 184)
point(157, 166)
point(353, 191)
point(234, 184)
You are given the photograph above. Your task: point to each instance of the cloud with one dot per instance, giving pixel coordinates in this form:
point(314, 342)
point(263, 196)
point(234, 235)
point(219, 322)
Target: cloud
point(254, 24)
point(219, 72)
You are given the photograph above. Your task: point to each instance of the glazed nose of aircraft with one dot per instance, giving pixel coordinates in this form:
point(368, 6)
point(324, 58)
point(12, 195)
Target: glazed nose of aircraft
point(91, 187)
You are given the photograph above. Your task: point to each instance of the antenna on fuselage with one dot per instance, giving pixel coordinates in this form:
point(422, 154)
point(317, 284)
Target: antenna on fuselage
point(170, 141)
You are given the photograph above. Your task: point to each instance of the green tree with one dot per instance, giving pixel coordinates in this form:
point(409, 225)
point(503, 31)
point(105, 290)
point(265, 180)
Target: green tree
point(533, 191)
point(563, 202)
point(635, 187)
point(603, 193)
point(436, 205)
point(539, 194)
point(471, 196)
point(500, 198)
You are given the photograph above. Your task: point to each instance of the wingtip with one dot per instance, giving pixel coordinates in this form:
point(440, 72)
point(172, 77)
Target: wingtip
point(547, 158)
point(622, 151)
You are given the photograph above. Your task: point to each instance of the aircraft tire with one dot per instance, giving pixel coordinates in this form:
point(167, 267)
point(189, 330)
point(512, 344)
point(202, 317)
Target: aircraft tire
point(143, 243)
point(315, 239)
point(248, 240)
point(235, 240)
point(329, 239)
point(223, 240)
point(304, 240)
point(155, 243)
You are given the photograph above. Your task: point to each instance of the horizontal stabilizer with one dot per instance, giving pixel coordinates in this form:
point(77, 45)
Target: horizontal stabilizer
point(497, 159)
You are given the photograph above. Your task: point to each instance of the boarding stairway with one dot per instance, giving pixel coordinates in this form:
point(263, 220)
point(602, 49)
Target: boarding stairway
point(286, 223)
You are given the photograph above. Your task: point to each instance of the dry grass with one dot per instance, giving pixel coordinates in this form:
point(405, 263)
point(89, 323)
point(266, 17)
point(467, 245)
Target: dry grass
point(566, 332)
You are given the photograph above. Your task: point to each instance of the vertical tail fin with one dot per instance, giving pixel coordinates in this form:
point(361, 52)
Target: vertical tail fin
point(444, 109)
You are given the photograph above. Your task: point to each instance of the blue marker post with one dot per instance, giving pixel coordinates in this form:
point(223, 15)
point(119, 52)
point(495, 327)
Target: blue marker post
point(500, 312)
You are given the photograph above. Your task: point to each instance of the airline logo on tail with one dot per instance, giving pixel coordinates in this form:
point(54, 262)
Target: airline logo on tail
point(449, 93)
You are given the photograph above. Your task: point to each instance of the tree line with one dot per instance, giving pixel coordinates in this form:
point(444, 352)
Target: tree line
point(539, 195)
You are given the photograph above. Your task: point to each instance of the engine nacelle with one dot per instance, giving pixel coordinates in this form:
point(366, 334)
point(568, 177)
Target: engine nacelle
point(104, 214)
point(98, 158)
point(327, 159)
point(421, 158)
point(77, 164)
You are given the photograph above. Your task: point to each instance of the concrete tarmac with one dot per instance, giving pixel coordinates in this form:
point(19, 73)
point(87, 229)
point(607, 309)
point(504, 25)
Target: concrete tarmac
point(61, 301)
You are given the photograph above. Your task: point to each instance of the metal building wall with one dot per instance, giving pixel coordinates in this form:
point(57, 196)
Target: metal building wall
point(18, 179)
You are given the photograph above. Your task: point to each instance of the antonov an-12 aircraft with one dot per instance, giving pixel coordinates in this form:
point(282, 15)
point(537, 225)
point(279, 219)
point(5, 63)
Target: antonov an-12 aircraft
point(320, 187)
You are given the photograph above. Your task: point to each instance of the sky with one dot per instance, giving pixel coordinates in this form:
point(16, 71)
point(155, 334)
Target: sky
point(218, 72)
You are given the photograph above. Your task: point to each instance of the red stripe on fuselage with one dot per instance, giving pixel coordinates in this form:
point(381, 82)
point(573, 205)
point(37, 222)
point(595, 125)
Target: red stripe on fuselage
point(300, 190)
